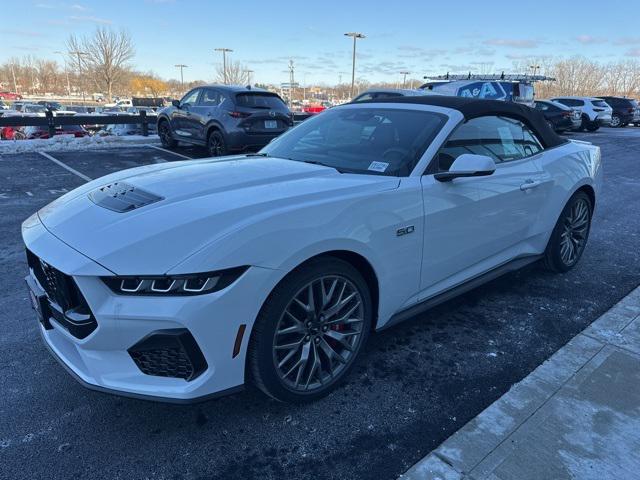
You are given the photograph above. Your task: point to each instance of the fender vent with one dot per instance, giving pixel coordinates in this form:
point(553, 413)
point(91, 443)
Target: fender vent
point(122, 197)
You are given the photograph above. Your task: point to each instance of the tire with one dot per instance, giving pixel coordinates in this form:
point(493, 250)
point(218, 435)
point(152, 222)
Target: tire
point(551, 126)
point(593, 126)
point(277, 371)
point(166, 137)
point(556, 256)
point(616, 121)
point(216, 146)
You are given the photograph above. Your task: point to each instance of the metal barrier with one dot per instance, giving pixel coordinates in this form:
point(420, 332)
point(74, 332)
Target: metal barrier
point(51, 121)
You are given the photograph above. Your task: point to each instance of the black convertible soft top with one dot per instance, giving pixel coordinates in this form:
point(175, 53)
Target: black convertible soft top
point(473, 107)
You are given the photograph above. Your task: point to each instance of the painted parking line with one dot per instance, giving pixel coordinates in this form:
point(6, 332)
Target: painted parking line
point(170, 151)
point(65, 166)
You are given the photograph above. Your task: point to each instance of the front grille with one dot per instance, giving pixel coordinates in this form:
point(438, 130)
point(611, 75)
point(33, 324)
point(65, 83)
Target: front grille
point(169, 353)
point(68, 306)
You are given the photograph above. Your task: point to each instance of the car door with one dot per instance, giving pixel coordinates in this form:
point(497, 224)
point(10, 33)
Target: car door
point(475, 224)
point(181, 118)
point(205, 110)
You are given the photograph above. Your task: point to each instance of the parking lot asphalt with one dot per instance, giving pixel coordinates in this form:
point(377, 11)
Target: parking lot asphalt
point(416, 384)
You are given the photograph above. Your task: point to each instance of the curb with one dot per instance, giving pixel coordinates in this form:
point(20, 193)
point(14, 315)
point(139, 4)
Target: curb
point(471, 453)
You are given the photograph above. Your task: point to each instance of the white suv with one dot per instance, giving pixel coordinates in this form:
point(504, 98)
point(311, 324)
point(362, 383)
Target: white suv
point(595, 112)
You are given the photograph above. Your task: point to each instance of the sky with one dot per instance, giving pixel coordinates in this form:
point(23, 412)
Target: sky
point(423, 37)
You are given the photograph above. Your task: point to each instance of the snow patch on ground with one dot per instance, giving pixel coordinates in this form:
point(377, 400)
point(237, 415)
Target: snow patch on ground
point(71, 143)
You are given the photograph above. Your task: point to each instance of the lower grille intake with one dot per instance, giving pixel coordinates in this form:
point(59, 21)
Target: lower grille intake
point(169, 353)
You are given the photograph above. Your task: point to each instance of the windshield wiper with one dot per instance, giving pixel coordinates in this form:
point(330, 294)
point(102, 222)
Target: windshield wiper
point(256, 154)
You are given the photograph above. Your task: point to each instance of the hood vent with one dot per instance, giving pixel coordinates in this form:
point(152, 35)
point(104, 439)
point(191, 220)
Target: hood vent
point(122, 197)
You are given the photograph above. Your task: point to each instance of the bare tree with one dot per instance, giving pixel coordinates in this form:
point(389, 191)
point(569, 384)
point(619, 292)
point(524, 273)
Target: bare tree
point(107, 54)
point(236, 73)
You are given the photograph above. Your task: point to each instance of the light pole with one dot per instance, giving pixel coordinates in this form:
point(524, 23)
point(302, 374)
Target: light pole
point(224, 61)
point(66, 71)
point(181, 66)
point(13, 74)
point(404, 78)
point(355, 36)
point(535, 68)
point(80, 54)
point(248, 72)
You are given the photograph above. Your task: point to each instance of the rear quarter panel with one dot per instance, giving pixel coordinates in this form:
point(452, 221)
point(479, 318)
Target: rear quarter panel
point(566, 168)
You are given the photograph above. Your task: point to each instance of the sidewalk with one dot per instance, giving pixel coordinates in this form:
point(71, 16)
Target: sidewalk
point(577, 416)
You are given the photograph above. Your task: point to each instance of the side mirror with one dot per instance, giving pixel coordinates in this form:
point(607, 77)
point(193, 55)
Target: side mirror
point(468, 165)
point(175, 103)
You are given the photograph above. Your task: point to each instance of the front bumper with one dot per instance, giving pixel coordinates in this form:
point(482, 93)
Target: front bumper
point(102, 360)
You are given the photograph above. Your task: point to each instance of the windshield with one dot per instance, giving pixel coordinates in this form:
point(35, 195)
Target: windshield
point(361, 140)
point(34, 109)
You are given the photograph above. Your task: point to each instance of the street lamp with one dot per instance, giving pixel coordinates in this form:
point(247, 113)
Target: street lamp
point(181, 66)
point(248, 72)
point(224, 61)
point(80, 54)
point(404, 78)
point(355, 36)
point(66, 71)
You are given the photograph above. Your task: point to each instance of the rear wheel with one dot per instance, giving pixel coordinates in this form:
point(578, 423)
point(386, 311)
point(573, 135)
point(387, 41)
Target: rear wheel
point(216, 145)
point(593, 126)
point(310, 331)
point(164, 132)
point(570, 234)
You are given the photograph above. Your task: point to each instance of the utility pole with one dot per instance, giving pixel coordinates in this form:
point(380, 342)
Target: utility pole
point(291, 80)
point(80, 54)
point(404, 78)
point(13, 74)
point(355, 36)
point(248, 72)
point(224, 61)
point(181, 66)
point(66, 71)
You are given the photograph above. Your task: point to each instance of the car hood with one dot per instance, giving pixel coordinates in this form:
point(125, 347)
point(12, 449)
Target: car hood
point(195, 203)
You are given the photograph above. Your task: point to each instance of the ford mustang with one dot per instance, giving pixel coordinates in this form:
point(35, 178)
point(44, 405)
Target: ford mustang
point(186, 280)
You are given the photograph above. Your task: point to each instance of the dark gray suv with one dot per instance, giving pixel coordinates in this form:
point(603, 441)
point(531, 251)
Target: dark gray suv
point(224, 118)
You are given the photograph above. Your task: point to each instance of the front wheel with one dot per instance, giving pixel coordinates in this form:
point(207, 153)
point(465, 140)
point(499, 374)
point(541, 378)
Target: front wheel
point(570, 234)
point(310, 331)
point(616, 121)
point(593, 126)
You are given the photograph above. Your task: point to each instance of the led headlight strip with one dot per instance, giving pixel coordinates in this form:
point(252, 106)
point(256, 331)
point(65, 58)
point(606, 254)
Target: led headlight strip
point(167, 285)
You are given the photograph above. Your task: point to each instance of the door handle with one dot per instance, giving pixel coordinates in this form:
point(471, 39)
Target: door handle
point(530, 184)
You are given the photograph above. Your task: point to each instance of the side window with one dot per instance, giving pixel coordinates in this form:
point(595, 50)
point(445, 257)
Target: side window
point(503, 139)
point(209, 98)
point(190, 98)
point(530, 143)
point(542, 106)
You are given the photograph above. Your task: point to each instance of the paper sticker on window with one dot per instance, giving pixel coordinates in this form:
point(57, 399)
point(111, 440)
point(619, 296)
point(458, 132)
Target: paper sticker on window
point(378, 166)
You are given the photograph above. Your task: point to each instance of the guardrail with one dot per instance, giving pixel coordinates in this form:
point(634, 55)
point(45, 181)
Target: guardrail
point(52, 121)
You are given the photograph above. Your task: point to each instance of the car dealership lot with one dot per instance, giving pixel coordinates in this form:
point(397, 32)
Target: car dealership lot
point(416, 384)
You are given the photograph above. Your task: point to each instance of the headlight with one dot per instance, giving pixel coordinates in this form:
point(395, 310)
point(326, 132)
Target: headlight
point(189, 284)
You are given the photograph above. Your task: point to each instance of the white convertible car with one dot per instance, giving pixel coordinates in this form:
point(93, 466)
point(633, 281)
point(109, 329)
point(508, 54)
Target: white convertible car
point(186, 280)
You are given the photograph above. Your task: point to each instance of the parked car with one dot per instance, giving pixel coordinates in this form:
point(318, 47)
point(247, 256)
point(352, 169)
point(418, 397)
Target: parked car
point(636, 113)
point(51, 105)
point(33, 108)
point(224, 119)
point(17, 106)
point(185, 280)
point(125, 129)
point(559, 117)
point(42, 132)
point(595, 112)
point(4, 106)
point(313, 108)
point(10, 96)
point(376, 93)
point(123, 104)
point(12, 133)
point(623, 110)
